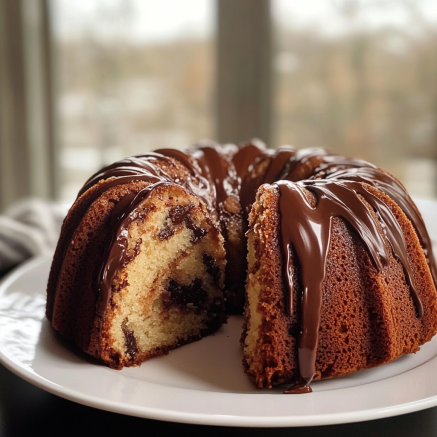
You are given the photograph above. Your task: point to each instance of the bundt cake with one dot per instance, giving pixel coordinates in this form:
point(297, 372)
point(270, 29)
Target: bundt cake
point(328, 255)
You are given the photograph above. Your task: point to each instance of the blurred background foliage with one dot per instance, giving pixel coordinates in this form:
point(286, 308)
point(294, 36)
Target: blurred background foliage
point(129, 76)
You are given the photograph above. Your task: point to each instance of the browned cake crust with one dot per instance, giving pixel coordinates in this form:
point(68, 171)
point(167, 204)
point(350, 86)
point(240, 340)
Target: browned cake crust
point(154, 249)
point(368, 318)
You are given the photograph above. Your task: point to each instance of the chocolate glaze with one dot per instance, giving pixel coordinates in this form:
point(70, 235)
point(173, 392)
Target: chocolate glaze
point(219, 170)
point(211, 165)
point(245, 157)
point(333, 166)
point(250, 184)
point(395, 190)
point(146, 165)
point(308, 230)
point(300, 158)
point(200, 185)
point(123, 214)
point(298, 388)
point(132, 166)
point(326, 158)
point(279, 160)
point(182, 157)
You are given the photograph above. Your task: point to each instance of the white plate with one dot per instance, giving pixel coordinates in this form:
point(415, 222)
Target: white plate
point(203, 382)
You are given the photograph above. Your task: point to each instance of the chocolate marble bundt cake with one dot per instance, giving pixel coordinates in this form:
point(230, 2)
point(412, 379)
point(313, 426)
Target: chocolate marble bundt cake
point(337, 262)
point(341, 273)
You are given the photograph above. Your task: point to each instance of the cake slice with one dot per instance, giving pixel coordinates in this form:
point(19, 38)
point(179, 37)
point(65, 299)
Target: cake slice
point(142, 272)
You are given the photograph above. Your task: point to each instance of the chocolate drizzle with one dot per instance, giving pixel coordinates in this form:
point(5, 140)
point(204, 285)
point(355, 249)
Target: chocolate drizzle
point(298, 388)
point(123, 214)
point(145, 166)
point(333, 167)
point(300, 159)
point(245, 157)
point(219, 170)
point(393, 189)
point(133, 166)
point(200, 184)
point(281, 157)
point(308, 230)
point(250, 184)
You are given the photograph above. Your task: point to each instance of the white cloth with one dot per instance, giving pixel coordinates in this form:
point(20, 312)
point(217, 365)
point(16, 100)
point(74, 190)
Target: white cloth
point(28, 228)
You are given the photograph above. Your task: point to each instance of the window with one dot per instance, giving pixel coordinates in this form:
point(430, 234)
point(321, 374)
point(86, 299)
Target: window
point(359, 77)
point(131, 76)
point(84, 83)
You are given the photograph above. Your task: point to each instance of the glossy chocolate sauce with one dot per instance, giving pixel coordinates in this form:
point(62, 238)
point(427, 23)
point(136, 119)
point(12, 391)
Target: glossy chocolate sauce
point(393, 189)
point(279, 160)
point(307, 163)
point(300, 159)
point(219, 170)
point(124, 213)
point(200, 185)
point(250, 184)
point(132, 166)
point(211, 164)
point(245, 157)
point(308, 230)
point(333, 166)
point(147, 165)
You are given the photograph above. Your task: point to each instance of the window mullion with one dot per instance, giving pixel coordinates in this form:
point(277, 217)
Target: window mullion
point(244, 70)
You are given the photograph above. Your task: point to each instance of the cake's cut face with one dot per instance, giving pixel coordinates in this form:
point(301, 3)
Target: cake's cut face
point(212, 163)
point(329, 255)
point(171, 291)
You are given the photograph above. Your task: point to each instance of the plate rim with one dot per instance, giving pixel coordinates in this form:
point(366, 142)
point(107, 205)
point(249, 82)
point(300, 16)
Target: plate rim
point(94, 401)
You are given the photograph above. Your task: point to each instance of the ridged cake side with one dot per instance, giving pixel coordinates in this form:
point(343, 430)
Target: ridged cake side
point(367, 317)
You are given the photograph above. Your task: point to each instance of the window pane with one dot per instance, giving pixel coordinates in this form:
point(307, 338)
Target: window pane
point(360, 77)
point(131, 76)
